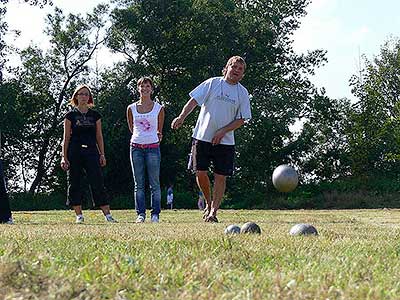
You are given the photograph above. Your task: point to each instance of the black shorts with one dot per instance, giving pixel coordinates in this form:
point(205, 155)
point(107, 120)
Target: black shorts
point(221, 156)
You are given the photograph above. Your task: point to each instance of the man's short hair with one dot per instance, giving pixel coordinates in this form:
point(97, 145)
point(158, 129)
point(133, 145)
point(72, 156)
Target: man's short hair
point(231, 61)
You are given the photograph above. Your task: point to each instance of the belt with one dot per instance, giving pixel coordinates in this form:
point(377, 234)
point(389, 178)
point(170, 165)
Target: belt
point(87, 146)
point(79, 145)
point(145, 146)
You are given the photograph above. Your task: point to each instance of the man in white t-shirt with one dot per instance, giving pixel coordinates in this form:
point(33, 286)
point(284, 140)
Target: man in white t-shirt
point(224, 106)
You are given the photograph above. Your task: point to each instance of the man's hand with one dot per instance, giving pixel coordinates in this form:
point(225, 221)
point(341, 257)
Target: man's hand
point(177, 122)
point(218, 137)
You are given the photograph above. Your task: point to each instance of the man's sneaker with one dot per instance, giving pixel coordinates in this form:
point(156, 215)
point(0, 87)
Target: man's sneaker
point(110, 219)
point(206, 212)
point(79, 219)
point(155, 219)
point(211, 219)
point(140, 219)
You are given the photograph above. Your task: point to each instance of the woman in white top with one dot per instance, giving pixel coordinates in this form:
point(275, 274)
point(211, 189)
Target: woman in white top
point(145, 121)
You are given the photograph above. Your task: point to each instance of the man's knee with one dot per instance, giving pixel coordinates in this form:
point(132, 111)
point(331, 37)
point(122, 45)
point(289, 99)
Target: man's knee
point(219, 178)
point(201, 174)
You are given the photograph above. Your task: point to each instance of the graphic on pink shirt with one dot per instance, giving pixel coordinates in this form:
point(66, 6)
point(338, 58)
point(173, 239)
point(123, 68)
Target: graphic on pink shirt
point(143, 124)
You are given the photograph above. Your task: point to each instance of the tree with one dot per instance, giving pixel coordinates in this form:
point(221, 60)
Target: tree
point(112, 99)
point(47, 78)
point(182, 43)
point(41, 3)
point(4, 29)
point(324, 151)
point(374, 135)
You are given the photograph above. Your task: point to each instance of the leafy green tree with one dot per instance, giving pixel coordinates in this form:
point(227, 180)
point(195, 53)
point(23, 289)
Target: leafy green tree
point(40, 3)
point(4, 29)
point(47, 78)
point(277, 78)
point(112, 99)
point(181, 43)
point(11, 126)
point(374, 136)
point(324, 151)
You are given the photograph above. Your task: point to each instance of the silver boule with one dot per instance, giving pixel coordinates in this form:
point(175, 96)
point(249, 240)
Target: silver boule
point(232, 229)
point(285, 178)
point(250, 227)
point(303, 229)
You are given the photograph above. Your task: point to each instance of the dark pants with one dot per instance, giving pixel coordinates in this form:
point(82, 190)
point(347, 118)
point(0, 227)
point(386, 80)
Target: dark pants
point(5, 212)
point(85, 159)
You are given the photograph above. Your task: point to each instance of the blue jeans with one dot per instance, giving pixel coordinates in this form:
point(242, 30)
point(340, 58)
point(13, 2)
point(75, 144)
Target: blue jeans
point(141, 159)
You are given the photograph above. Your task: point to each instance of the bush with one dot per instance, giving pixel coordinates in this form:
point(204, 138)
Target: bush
point(342, 194)
point(24, 201)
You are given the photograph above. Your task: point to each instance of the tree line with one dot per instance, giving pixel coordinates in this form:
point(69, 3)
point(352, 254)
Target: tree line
point(341, 145)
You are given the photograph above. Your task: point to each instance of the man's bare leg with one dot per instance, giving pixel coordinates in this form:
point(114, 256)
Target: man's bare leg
point(204, 184)
point(218, 193)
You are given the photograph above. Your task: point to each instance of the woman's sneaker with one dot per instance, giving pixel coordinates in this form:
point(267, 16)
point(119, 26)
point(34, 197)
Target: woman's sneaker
point(110, 219)
point(140, 219)
point(155, 219)
point(79, 219)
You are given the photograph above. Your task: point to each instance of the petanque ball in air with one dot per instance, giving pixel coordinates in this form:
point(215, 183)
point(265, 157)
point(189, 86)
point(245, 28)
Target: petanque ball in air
point(250, 227)
point(303, 229)
point(285, 178)
point(232, 229)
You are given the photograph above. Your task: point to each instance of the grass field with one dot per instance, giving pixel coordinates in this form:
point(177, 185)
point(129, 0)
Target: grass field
point(46, 256)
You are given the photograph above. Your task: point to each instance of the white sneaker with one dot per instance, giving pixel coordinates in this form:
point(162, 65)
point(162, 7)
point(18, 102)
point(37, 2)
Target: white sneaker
point(79, 219)
point(10, 221)
point(110, 219)
point(155, 219)
point(140, 219)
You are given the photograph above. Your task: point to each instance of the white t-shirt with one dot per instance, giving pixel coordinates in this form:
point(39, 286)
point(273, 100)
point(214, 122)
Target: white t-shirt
point(145, 126)
point(221, 103)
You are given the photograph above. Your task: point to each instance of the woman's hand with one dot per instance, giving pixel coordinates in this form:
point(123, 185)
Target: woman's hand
point(64, 164)
point(103, 161)
point(159, 134)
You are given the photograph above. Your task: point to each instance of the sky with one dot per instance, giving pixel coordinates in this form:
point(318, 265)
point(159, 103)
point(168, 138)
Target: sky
point(346, 29)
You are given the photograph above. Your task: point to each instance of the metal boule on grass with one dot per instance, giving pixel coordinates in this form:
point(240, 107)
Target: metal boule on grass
point(285, 179)
point(303, 229)
point(250, 227)
point(232, 229)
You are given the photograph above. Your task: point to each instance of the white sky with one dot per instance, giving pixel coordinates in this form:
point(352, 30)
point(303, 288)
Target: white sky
point(345, 28)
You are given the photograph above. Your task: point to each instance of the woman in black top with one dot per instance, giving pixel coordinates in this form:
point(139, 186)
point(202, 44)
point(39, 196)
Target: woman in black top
point(83, 149)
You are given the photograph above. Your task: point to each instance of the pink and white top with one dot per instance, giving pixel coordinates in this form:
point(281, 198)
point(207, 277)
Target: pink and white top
point(145, 126)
